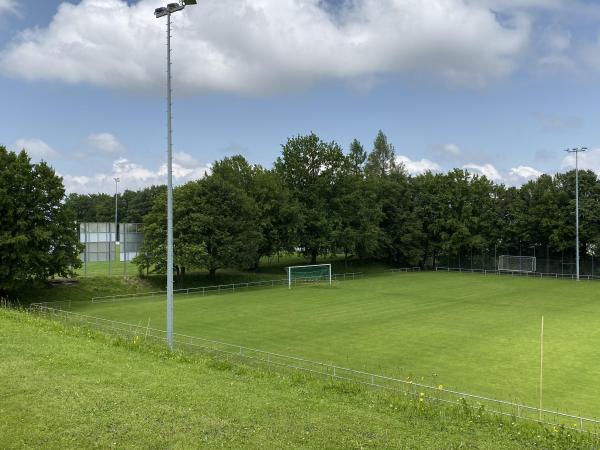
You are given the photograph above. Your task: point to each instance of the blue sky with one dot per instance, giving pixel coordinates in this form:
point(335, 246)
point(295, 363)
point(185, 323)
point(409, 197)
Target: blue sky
point(500, 87)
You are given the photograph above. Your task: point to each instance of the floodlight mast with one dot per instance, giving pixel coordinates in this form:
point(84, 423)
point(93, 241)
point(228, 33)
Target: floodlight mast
point(577, 151)
point(116, 216)
point(158, 13)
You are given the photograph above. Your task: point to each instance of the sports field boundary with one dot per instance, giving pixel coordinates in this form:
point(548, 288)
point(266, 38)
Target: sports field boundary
point(219, 289)
point(270, 360)
point(516, 273)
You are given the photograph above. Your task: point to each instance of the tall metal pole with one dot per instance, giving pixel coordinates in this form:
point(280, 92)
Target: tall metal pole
point(577, 151)
point(116, 217)
point(158, 13)
point(577, 213)
point(169, 194)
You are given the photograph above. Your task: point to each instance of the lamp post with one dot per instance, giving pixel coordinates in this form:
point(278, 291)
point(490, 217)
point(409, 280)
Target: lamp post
point(158, 13)
point(577, 151)
point(116, 216)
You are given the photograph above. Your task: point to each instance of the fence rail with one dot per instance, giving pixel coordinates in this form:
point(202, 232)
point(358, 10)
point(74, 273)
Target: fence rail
point(403, 269)
point(517, 273)
point(220, 289)
point(419, 391)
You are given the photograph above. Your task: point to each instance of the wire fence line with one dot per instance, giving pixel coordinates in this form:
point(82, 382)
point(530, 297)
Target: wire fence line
point(403, 269)
point(271, 360)
point(517, 273)
point(223, 288)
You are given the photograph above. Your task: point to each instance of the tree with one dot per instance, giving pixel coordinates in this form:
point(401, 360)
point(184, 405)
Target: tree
point(277, 213)
point(311, 169)
point(382, 159)
point(357, 157)
point(133, 205)
point(215, 227)
point(38, 235)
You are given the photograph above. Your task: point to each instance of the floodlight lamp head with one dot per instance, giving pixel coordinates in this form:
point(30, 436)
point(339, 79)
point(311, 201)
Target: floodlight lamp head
point(160, 12)
point(174, 7)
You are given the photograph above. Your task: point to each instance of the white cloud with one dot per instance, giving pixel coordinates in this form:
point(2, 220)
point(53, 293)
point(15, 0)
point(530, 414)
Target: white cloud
point(589, 160)
point(522, 174)
point(8, 6)
point(36, 149)
point(487, 170)
point(135, 176)
point(451, 149)
point(265, 46)
point(418, 167)
point(104, 142)
point(516, 176)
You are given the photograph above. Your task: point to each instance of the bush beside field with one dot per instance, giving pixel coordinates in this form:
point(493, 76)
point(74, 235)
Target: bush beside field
point(66, 387)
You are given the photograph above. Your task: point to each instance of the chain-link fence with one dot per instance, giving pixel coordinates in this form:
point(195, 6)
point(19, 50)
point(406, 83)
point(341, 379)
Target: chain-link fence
point(563, 265)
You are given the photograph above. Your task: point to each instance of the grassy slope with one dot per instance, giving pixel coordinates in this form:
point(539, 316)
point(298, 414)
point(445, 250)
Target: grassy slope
point(67, 388)
point(476, 334)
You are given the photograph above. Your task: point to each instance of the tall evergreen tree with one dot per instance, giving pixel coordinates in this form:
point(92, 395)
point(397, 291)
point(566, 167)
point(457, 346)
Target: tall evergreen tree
point(382, 159)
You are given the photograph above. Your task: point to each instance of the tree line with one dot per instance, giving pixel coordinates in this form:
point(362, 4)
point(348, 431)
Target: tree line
point(316, 199)
point(319, 200)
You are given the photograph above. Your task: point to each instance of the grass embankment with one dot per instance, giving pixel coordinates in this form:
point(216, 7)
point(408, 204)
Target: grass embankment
point(471, 333)
point(71, 388)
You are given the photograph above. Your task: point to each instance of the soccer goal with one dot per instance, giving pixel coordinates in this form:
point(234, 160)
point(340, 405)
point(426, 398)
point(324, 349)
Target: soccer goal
point(510, 263)
point(309, 274)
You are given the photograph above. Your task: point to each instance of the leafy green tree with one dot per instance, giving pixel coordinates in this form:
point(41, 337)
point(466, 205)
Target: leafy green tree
point(215, 227)
point(311, 169)
point(38, 235)
point(92, 207)
point(277, 212)
point(134, 205)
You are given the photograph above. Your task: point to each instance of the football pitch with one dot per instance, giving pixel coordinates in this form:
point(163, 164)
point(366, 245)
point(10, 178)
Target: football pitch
point(473, 333)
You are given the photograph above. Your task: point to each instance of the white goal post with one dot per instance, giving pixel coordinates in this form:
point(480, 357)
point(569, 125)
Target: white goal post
point(310, 273)
point(510, 263)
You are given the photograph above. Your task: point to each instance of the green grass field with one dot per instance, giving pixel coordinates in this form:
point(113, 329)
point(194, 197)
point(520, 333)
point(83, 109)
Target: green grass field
point(65, 387)
point(472, 333)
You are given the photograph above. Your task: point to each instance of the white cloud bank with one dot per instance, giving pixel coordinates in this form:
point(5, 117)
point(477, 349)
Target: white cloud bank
point(135, 176)
point(8, 6)
point(265, 46)
point(104, 142)
point(36, 149)
point(487, 170)
point(418, 167)
point(516, 176)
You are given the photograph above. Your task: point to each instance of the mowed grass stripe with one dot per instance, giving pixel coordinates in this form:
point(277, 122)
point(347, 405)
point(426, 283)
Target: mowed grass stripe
point(473, 333)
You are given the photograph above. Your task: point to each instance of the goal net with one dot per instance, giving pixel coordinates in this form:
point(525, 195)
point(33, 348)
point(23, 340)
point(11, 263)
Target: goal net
point(517, 263)
point(309, 274)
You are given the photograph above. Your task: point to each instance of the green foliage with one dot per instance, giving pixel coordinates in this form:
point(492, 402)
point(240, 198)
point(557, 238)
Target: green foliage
point(316, 200)
point(215, 226)
point(312, 171)
point(38, 235)
point(133, 205)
